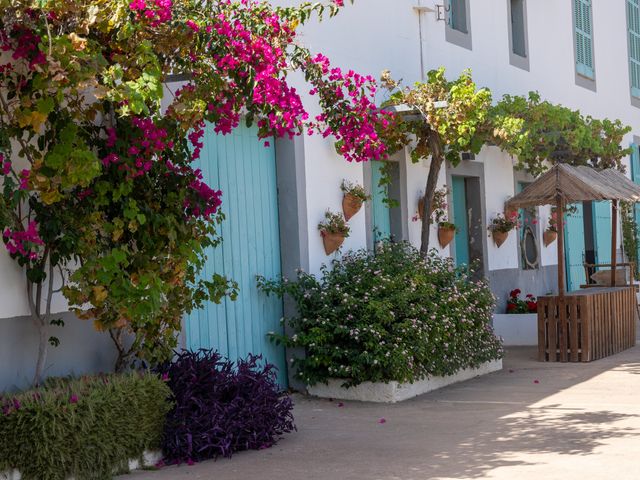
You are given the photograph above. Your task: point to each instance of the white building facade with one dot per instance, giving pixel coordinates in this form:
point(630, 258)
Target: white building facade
point(584, 54)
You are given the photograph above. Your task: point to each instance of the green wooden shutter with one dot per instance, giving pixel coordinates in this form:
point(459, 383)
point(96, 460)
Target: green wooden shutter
point(574, 248)
point(584, 38)
point(381, 219)
point(601, 212)
point(633, 21)
point(461, 220)
point(635, 176)
point(458, 15)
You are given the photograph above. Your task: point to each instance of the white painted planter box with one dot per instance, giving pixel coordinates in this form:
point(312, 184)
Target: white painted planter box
point(393, 392)
point(149, 458)
point(516, 329)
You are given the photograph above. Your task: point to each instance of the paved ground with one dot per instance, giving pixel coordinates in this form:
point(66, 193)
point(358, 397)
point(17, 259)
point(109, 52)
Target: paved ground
point(530, 421)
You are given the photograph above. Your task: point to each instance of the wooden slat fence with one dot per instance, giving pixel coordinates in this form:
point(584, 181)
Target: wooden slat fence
point(586, 325)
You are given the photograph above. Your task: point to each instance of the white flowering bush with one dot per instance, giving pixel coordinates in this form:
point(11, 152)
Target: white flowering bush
point(388, 315)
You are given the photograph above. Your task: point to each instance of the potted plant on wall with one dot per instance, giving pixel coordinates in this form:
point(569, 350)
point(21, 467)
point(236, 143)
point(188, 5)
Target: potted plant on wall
point(446, 229)
point(334, 230)
point(501, 225)
point(519, 324)
point(354, 197)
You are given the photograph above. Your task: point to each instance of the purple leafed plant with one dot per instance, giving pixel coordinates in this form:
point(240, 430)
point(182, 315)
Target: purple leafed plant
point(220, 409)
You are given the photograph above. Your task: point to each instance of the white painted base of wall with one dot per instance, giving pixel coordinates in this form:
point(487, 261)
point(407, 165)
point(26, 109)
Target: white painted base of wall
point(516, 329)
point(149, 458)
point(393, 392)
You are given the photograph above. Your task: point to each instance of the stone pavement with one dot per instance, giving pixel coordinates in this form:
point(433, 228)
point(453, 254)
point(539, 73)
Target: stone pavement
point(530, 421)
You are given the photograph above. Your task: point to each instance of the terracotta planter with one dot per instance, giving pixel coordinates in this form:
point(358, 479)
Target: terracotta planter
point(332, 241)
point(350, 205)
point(445, 235)
point(548, 237)
point(499, 237)
point(421, 208)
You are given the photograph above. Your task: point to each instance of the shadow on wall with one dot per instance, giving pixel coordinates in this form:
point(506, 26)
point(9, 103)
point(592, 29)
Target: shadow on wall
point(82, 350)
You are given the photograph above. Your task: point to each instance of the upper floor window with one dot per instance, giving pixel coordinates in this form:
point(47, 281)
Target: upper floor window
point(458, 26)
point(633, 24)
point(583, 38)
point(518, 44)
point(458, 15)
point(518, 38)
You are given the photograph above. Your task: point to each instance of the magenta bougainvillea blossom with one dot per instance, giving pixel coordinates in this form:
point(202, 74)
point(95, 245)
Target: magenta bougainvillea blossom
point(23, 243)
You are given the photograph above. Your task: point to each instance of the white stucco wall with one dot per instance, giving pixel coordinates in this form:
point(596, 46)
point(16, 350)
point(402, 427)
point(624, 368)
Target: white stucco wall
point(374, 35)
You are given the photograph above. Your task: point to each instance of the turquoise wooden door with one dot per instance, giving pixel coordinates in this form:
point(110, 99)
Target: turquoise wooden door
point(380, 209)
point(574, 245)
point(602, 231)
point(461, 220)
point(245, 171)
point(635, 176)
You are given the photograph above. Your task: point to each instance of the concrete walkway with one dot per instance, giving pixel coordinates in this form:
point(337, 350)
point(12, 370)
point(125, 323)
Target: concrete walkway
point(530, 421)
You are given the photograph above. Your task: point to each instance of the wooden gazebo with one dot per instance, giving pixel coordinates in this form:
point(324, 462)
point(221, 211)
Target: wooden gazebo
point(591, 323)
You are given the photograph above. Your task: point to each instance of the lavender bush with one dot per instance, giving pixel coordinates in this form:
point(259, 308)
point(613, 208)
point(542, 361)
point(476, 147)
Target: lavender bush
point(221, 408)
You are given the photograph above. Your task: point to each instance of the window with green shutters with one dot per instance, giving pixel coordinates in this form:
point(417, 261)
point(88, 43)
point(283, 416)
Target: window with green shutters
point(633, 24)
point(458, 15)
point(583, 37)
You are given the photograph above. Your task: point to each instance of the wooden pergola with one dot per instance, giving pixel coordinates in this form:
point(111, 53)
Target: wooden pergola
point(596, 322)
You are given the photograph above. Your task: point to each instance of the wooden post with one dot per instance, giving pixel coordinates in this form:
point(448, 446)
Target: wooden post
point(614, 240)
point(560, 227)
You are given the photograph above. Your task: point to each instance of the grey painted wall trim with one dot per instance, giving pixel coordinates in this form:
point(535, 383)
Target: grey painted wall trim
point(294, 233)
point(470, 168)
point(581, 80)
point(457, 37)
point(515, 59)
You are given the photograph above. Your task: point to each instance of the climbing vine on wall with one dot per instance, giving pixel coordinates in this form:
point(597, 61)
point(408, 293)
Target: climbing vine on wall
point(97, 155)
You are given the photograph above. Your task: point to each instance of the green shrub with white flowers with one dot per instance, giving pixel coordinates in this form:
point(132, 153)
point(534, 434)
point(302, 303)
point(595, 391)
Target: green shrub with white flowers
point(388, 315)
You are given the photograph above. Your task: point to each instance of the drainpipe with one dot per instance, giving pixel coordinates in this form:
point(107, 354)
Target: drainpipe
point(420, 9)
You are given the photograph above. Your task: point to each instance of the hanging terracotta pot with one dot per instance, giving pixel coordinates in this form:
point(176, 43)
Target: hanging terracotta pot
point(499, 237)
point(332, 241)
point(445, 235)
point(421, 208)
point(548, 237)
point(350, 205)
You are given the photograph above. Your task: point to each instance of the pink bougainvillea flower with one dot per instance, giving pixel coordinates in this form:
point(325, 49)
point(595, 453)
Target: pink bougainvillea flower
point(73, 398)
point(382, 420)
point(536, 381)
point(340, 404)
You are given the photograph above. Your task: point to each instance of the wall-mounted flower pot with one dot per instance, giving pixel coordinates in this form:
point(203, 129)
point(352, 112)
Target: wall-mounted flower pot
point(350, 205)
point(499, 237)
point(332, 241)
point(421, 208)
point(548, 237)
point(445, 235)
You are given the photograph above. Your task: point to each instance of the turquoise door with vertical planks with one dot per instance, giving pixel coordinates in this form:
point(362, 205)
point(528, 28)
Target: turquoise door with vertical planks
point(380, 210)
point(461, 220)
point(574, 246)
point(635, 176)
point(602, 231)
point(245, 170)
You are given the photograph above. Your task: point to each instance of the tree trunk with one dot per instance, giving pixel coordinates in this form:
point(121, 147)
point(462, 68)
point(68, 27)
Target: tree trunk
point(41, 321)
point(123, 353)
point(437, 160)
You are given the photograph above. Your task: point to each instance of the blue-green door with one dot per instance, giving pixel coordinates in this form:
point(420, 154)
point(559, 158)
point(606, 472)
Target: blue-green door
point(380, 209)
point(245, 170)
point(460, 219)
point(635, 175)
point(602, 231)
point(574, 246)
